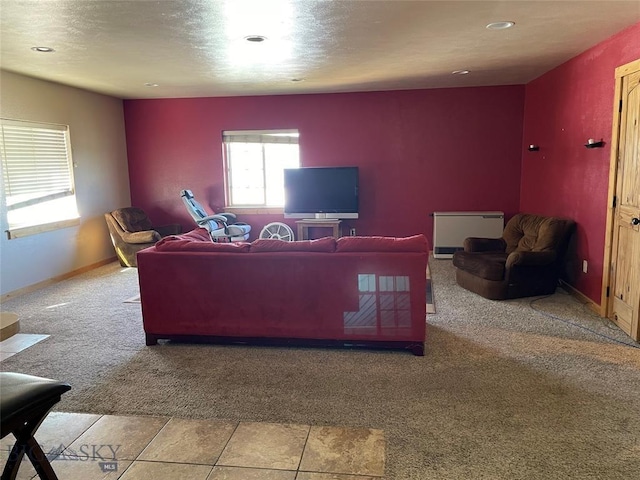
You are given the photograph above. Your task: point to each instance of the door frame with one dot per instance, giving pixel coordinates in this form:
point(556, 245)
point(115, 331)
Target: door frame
point(620, 72)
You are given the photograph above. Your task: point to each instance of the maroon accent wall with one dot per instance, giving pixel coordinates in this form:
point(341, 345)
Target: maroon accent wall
point(563, 109)
point(418, 151)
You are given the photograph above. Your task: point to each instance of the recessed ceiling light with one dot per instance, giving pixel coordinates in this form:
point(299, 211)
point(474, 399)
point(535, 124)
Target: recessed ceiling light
point(461, 72)
point(500, 25)
point(43, 49)
point(255, 38)
point(149, 84)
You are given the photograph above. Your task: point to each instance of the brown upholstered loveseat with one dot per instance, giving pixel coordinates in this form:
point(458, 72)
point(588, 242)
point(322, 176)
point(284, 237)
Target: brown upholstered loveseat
point(526, 261)
point(131, 231)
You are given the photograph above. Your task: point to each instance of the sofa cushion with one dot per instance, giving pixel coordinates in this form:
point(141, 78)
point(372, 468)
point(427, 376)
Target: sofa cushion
point(186, 245)
point(132, 219)
point(415, 243)
point(326, 244)
point(198, 240)
point(139, 238)
point(533, 233)
point(197, 234)
point(490, 266)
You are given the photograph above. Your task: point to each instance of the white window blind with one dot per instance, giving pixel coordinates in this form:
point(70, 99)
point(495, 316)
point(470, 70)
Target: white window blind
point(261, 136)
point(36, 163)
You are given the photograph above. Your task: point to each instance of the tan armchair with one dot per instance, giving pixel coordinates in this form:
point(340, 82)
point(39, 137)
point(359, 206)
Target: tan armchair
point(131, 231)
point(526, 261)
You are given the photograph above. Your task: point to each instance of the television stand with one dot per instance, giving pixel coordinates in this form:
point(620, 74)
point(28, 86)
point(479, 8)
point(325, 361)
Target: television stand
point(304, 225)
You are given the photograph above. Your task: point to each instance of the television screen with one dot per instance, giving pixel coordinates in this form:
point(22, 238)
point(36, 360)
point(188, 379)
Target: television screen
point(321, 192)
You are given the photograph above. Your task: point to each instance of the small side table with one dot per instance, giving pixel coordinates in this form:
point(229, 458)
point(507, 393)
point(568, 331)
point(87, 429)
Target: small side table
point(304, 225)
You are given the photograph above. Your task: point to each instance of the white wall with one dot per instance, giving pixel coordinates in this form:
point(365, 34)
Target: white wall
point(96, 127)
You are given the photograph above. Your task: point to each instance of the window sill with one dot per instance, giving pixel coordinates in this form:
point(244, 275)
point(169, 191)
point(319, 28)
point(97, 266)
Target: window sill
point(255, 210)
point(20, 232)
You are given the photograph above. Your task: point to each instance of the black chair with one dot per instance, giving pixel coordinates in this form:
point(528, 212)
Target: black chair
point(25, 401)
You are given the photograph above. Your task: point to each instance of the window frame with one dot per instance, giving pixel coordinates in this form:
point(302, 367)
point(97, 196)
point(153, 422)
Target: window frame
point(253, 136)
point(39, 226)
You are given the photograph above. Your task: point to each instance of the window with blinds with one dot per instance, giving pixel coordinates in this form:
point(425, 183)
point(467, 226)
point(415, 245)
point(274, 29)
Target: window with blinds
point(37, 174)
point(254, 164)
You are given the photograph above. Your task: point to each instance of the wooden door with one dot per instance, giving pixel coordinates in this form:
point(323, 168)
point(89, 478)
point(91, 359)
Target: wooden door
point(623, 306)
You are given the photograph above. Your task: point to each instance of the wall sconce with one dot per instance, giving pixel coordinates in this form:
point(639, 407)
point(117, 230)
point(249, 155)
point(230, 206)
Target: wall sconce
point(591, 143)
point(533, 148)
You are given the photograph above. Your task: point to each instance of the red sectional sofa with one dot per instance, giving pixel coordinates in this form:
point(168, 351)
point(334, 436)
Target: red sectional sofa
point(358, 291)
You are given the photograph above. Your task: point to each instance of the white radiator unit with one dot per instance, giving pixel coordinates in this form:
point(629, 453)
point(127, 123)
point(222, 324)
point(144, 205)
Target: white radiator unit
point(451, 228)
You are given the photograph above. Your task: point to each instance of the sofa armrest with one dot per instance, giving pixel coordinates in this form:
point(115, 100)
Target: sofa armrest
point(530, 258)
point(147, 236)
point(476, 244)
point(172, 229)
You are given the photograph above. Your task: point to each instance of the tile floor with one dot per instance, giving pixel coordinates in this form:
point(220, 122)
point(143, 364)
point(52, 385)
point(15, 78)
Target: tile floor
point(18, 342)
point(109, 447)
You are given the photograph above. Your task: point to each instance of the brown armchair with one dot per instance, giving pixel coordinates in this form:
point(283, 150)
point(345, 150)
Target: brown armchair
point(131, 231)
point(526, 261)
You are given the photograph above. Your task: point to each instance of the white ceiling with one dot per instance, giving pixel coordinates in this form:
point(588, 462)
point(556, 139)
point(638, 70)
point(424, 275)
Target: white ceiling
point(194, 48)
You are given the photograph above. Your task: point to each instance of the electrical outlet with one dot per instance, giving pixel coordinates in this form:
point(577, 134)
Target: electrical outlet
point(352, 232)
point(585, 266)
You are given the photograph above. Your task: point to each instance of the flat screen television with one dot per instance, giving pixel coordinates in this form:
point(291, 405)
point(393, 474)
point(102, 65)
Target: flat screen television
point(321, 192)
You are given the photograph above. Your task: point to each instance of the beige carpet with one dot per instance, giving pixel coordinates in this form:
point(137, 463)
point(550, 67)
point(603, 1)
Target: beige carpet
point(503, 392)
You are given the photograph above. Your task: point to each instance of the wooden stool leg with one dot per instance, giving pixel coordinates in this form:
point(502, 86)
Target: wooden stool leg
point(40, 461)
point(26, 443)
point(10, 471)
point(35, 454)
